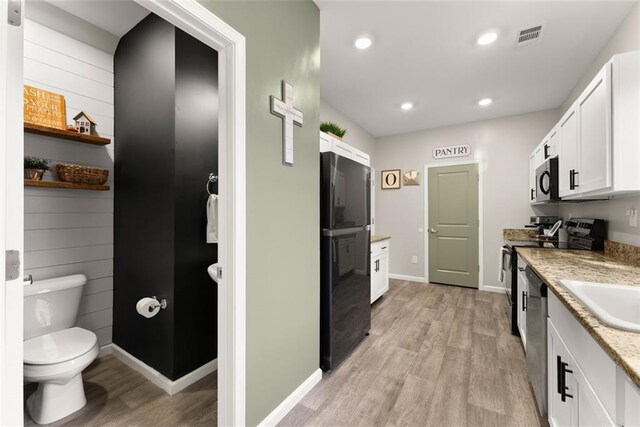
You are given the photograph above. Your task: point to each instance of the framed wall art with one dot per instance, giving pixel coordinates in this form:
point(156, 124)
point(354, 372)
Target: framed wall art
point(390, 179)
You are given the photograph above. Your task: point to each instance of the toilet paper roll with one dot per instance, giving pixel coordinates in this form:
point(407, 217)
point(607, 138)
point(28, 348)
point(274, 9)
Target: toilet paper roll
point(148, 307)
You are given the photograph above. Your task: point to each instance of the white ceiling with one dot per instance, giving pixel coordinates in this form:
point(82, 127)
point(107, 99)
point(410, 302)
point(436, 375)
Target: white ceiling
point(426, 52)
point(116, 17)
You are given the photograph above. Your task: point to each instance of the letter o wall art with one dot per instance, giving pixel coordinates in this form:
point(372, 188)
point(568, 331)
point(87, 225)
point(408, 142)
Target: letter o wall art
point(390, 179)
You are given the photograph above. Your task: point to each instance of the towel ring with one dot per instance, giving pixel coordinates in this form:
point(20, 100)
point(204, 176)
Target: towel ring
point(212, 178)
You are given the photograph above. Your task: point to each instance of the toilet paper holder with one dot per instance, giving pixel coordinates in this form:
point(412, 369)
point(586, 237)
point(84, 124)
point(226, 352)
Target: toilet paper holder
point(162, 305)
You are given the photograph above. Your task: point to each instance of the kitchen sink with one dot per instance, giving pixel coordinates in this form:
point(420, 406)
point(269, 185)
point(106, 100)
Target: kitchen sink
point(615, 305)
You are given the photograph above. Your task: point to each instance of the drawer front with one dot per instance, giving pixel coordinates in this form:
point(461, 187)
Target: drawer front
point(379, 248)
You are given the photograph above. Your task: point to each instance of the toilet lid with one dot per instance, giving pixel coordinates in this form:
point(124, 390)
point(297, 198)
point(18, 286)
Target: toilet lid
point(58, 346)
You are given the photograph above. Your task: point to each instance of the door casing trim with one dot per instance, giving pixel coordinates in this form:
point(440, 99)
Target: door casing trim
point(425, 208)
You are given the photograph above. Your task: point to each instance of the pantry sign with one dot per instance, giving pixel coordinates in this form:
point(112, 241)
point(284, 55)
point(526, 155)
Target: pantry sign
point(453, 151)
point(44, 108)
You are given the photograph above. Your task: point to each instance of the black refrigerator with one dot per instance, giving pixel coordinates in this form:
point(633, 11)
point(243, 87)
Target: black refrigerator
point(345, 281)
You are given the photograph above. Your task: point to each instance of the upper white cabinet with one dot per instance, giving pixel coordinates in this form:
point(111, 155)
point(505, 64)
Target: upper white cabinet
point(329, 143)
point(568, 156)
point(597, 138)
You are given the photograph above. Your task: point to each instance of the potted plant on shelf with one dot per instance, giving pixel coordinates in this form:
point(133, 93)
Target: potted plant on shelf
point(35, 167)
point(333, 129)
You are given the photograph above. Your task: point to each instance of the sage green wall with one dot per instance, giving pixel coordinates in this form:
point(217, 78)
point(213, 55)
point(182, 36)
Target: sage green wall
point(283, 284)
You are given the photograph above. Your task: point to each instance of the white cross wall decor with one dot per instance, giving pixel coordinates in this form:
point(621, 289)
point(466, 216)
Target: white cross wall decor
point(290, 116)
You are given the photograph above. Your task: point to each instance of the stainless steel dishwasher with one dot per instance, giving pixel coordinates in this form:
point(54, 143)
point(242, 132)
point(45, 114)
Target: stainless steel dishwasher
point(537, 339)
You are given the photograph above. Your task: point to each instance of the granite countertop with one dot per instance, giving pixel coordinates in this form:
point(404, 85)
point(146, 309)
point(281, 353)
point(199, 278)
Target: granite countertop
point(552, 265)
point(523, 235)
point(376, 238)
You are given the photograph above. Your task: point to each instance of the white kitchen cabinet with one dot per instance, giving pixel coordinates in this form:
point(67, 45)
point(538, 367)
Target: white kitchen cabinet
point(568, 157)
point(599, 150)
point(346, 255)
point(560, 368)
point(532, 178)
point(379, 269)
point(594, 130)
point(523, 294)
point(572, 401)
point(330, 143)
point(601, 392)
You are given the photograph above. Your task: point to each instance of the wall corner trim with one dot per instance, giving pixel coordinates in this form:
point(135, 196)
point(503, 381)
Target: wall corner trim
point(292, 400)
point(408, 278)
point(169, 386)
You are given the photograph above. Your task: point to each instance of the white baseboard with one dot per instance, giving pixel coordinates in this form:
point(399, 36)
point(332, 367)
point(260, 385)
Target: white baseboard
point(105, 349)
point(496, 289)
point(169, 386)
point(409, 278)
point(292, 400)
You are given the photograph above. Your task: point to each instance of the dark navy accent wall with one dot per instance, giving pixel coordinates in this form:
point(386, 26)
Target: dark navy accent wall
point(166, 144)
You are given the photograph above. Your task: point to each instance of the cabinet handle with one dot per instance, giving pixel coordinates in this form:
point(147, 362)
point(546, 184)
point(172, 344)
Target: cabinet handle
point(575, 172)
point(524, 301)
point(384, 247)
point(561, 368)
point(572, 179)
point(532, 196)
point(546, 151)
point(521, 268)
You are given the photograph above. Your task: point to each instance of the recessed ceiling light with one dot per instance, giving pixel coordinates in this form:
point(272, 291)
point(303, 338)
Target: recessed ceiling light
point(487, 38)
point(406, 106)
point(485, 101)
point(363, 42)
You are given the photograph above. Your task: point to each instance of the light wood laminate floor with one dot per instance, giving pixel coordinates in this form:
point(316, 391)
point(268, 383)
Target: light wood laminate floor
point(436, 356)
point(119, 396)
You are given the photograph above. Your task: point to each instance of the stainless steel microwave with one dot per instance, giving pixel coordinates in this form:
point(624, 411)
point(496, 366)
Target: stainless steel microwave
point(547, 181)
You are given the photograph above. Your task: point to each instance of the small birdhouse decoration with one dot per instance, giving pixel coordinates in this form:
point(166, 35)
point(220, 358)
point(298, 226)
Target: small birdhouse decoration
point(85, 123)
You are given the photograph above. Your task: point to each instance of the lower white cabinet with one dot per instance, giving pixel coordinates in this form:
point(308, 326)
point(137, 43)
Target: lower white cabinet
point(379, 269)
point(523, 294)
point(585, 386)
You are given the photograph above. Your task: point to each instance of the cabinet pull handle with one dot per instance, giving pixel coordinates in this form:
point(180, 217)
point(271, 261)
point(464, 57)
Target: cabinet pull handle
point(532, 196)
point(524, 301)
point(575, 172)
point(384, 247)
point(546, 151)
point(562, 380)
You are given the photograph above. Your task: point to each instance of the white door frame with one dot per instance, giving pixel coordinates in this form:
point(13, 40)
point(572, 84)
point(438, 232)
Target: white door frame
point(199, 22)
point(480, 214)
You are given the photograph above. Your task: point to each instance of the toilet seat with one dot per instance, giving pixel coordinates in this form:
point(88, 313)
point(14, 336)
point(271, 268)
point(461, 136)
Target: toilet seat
point(58, 347)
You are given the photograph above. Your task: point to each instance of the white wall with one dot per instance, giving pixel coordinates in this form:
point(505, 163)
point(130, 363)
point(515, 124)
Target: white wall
point(355, 136)
point(625, 39)
point(71, 231)
point(502, 145)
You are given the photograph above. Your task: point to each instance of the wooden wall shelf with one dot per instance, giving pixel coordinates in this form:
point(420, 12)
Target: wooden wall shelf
point(68, 185)
point(63, 134)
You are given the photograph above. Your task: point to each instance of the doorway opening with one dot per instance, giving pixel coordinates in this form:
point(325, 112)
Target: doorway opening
point(66, 229)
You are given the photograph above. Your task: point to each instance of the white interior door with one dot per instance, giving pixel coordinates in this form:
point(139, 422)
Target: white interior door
point(11, 210)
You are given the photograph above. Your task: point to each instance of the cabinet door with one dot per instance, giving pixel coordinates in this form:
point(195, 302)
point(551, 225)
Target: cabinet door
point(553, 144)
point(590, 409)
point(523, 292)
point(594, 117)
point(568, 160)
point(561, 381)
point(384, 272)
point(375, 278)
point(532, 178)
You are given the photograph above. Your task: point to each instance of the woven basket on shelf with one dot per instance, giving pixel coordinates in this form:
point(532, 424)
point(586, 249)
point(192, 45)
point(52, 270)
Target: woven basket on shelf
point(81, 174)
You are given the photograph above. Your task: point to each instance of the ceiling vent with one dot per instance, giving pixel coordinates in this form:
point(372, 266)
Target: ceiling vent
point(529, 36)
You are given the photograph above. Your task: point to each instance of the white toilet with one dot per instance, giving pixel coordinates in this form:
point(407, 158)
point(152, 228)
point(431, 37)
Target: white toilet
point(56, 352)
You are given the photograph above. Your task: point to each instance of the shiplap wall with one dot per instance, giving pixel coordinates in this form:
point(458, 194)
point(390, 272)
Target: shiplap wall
point(71, 231)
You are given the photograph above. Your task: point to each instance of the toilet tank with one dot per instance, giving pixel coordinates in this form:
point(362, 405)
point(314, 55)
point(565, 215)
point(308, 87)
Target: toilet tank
point(51, 305)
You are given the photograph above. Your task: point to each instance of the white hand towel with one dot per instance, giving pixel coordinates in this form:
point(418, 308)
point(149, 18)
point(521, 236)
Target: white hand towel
point(212, 219)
